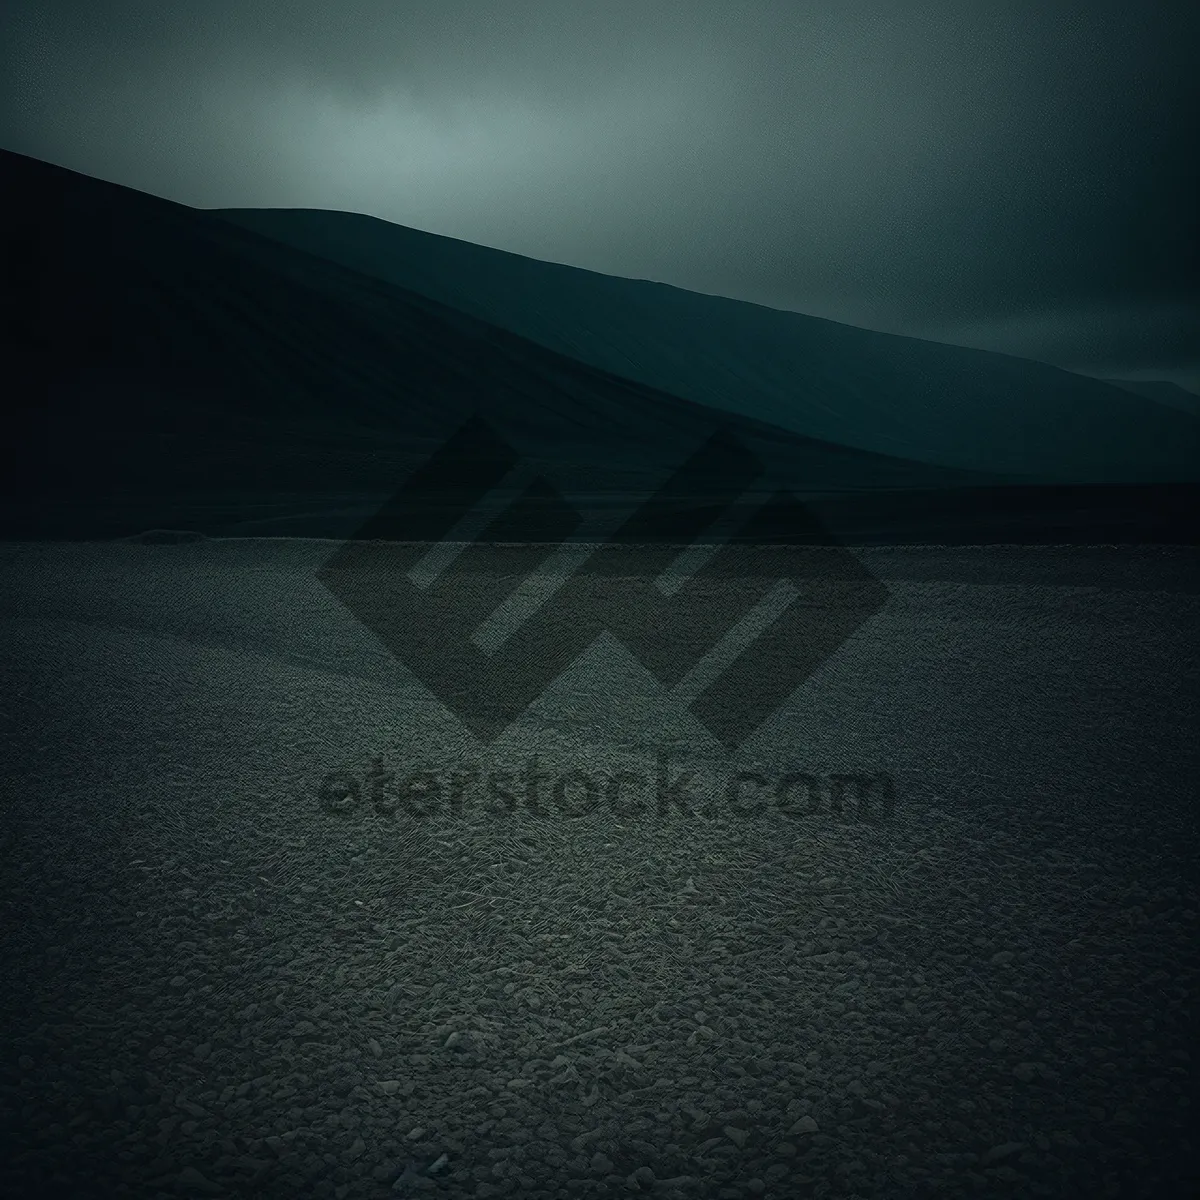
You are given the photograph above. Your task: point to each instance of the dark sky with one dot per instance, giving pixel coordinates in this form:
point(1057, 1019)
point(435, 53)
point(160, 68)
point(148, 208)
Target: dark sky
point(1017, 175)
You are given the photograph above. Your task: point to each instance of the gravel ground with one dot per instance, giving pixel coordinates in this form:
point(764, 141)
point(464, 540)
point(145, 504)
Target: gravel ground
point(216, 986)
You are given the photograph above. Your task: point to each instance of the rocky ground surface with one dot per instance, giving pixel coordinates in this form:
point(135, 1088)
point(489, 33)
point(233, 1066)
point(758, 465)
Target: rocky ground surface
point(215, 986)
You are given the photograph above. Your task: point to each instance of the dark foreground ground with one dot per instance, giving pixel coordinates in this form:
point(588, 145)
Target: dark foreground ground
point(978, 985)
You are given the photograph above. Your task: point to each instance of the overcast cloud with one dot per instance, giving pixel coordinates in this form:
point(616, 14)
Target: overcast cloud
point(1018, 175)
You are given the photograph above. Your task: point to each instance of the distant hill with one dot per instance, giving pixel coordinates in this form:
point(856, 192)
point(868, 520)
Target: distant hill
point(175, 370)
point(170, 370)
point(918, 400)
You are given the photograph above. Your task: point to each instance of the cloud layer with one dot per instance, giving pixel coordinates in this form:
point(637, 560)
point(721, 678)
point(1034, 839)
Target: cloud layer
point(1017, 175)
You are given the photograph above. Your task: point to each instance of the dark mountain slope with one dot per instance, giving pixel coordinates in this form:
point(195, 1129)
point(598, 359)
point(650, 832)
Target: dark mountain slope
point(919, 400)
point(171, 369)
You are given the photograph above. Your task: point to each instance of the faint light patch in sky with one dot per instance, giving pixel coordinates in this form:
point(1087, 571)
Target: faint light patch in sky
point(437, 163)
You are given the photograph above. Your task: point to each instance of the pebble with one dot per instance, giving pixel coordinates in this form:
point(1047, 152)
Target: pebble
point(678, 1183)
point(804, 1125)
point(581, 1140)
point(1026, 1071)
point(1006, 1150)
point(410, 1180)
point(735, 1135)
point(193, 1181)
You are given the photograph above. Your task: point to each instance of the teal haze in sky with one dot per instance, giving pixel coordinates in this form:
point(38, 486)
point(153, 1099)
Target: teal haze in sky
point(1014, 175)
